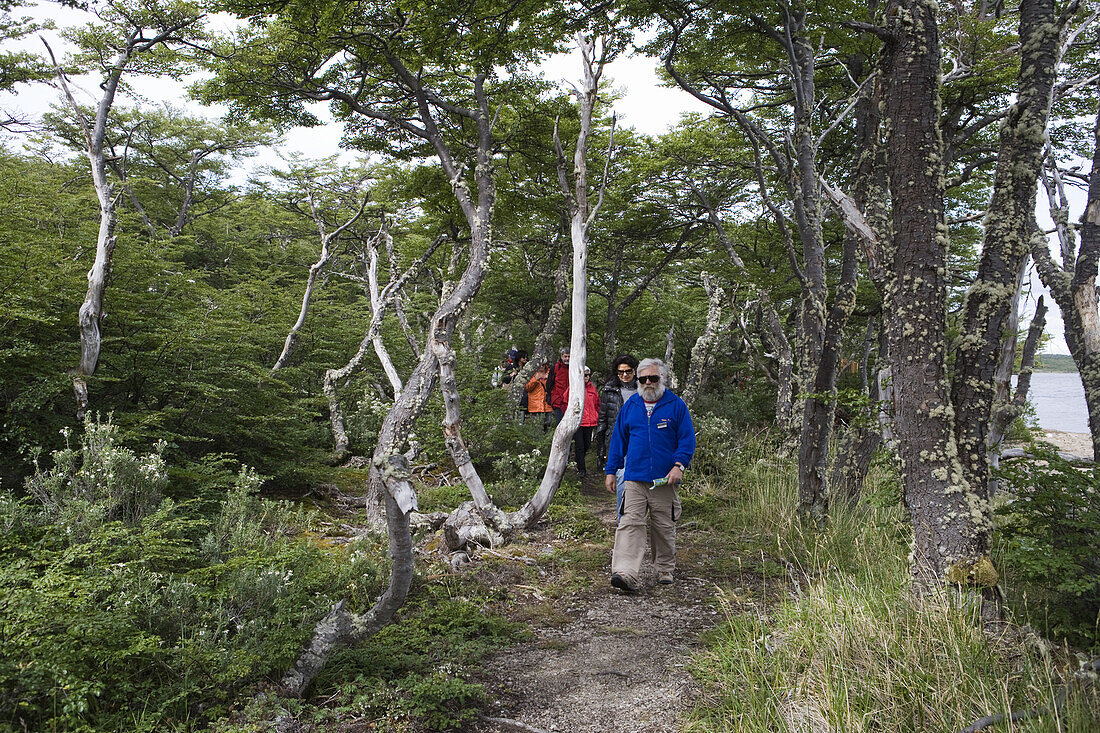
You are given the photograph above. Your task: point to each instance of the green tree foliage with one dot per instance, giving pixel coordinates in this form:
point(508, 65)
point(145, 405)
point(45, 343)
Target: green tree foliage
point(171, 166)
point(44, 225)
point(192, 329)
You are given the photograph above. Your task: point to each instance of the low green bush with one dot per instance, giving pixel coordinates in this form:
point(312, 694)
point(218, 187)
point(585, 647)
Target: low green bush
point(1049, 532)
point(418, 666)
point(122, 610)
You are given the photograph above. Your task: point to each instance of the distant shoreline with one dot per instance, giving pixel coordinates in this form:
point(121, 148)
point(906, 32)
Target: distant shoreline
point(1055, 363)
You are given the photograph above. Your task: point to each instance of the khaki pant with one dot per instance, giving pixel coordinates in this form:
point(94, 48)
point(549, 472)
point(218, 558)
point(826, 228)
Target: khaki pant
point(663, 506)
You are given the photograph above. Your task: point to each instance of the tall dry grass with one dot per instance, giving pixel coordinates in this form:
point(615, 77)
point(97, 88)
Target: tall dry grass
point(847, 647)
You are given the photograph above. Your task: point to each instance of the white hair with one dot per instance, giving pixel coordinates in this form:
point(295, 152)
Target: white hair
point(661, 368)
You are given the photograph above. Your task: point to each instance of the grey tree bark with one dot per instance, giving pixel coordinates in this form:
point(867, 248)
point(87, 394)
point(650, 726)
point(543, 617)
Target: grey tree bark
point(702, 353)
point(137, 40)
point(815, 347)
point(991, 300)
point(581, 217)
point(949, 519)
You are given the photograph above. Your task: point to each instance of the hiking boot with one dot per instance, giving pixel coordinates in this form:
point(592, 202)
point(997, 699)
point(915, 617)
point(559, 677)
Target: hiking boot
point(618, 581)
point(664, 578)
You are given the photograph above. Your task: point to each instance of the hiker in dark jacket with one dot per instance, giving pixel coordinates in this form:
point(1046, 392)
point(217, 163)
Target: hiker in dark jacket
point(623, 383)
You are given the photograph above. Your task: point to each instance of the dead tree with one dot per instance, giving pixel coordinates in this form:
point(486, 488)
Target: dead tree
point(380, 304)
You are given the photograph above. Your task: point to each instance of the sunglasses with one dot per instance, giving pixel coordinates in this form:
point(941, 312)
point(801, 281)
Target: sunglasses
point(625, 371)
point(649, 378)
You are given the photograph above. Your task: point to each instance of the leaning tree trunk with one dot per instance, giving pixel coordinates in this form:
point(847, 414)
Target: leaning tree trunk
point(341, 627)
point(389, 474)
point(950, 525)
point(90, 317)
point(1005, 248)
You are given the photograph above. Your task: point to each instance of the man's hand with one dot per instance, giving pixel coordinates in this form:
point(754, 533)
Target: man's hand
point(674, 475)
point(609, 482)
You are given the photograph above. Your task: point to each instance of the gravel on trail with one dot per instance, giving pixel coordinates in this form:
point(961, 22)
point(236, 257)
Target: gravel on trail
point(608, 661)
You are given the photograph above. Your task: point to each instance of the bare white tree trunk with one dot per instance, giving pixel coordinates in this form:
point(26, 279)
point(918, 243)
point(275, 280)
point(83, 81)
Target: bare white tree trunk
point(386, 298)
point(376, 304)
point(328, 249)
point(90, 317)
point(581, 218)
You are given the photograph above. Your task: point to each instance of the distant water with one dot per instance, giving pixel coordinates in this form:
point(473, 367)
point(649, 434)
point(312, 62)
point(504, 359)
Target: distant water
point(1059, 401)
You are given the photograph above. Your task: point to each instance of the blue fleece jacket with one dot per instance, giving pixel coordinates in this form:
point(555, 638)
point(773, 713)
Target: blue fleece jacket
point(649, 445)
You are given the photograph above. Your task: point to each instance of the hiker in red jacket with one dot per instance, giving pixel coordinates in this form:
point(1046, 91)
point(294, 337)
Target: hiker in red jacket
point(557, 384)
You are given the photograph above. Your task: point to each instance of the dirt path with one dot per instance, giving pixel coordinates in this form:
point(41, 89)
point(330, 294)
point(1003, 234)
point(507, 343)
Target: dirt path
point(602, 660)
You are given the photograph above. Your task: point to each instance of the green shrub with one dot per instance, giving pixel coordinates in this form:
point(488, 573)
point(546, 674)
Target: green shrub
point(1050, 537)
point(124, 611)
point(98, 482)
point(414, 668)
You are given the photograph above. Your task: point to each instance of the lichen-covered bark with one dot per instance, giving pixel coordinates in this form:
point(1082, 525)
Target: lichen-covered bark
point(1008, 224)
point(949, 520)
point(702, 352)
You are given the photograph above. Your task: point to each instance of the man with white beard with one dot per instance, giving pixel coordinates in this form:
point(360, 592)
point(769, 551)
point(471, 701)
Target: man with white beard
point(653, 440)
